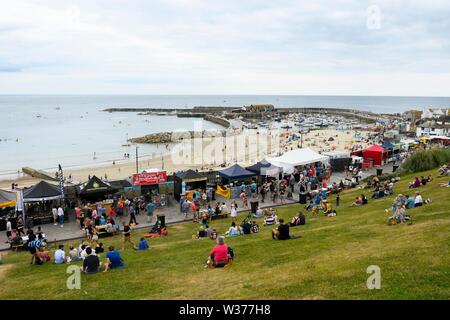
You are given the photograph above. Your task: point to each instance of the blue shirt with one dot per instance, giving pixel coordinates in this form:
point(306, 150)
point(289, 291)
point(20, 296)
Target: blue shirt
point(115, 259)
point(143, 245)
point(150, 207)
point(410, 203)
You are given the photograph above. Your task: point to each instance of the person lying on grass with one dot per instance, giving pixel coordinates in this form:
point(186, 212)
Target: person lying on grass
point(445, 184)
point(282, 232)
point(220, 255)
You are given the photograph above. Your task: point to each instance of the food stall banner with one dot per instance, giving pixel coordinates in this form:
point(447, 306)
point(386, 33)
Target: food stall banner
point(147, 178)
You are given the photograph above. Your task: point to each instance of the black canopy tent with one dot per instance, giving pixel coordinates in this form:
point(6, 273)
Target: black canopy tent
point(43, 191)
point(236, 173)
point(39, 200)
point(191, 179)
point(95, 189)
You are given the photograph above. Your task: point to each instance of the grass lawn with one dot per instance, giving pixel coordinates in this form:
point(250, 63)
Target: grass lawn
point(328, 262)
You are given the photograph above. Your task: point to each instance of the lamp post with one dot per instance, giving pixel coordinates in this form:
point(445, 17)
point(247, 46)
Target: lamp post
point(137, 160)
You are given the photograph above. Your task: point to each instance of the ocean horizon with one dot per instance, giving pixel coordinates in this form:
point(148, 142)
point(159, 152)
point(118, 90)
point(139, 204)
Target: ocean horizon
point(42, 131)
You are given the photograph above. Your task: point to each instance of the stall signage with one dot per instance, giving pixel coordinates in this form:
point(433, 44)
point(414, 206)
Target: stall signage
point(146, 178)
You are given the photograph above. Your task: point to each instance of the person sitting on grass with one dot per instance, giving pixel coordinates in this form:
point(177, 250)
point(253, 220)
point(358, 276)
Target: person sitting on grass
point(60, 255)
point(271, 218)
point(113, 260)
point(246, 227)
point(282, 232)
point(73, 255)
point(42, 256)
point(418, 201)
point(143, 244)
point(357, 203)
point(409, 203)
point(258, 214)
point(298, 220)
point(99, 248)
point(233, 231)
point(220, 255)
point(327, 209)
point(91, 263)
point(255, 227)
point(415, 184)
point(201, 233)
point(213, 234)
point(400, 214)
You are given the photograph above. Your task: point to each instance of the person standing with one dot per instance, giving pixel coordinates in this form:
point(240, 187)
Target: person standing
point(61, 216)
point(8, 229)
point(132, 212)
point(55, 215)
point(20, 226)
point(150, 210)
point(126, 235)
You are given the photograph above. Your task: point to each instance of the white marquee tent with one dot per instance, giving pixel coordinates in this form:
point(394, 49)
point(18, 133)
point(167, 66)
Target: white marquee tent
point(297, 157)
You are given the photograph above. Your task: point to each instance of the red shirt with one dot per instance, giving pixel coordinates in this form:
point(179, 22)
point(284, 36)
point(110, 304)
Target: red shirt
point(220, 252)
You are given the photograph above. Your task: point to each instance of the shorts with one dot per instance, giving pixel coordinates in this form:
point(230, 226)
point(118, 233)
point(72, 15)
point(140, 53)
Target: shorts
point(94, 237)
point(32, 250)
point(8, 233)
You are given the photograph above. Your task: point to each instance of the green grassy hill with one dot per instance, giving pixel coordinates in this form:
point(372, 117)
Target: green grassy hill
point(328, 262)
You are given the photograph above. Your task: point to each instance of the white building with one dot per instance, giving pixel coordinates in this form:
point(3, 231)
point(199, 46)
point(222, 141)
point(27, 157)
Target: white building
point(433, 127)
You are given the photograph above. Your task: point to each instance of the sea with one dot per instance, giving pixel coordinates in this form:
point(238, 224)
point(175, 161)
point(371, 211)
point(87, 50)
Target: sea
point(43, 131)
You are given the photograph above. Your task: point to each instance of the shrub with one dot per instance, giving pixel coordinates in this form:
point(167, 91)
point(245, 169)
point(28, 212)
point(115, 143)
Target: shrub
point(426, 160)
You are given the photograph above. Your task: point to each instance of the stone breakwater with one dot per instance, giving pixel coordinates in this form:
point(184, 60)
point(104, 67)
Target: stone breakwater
point(170, 137)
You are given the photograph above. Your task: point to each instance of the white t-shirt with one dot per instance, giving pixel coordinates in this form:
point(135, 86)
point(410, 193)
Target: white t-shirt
point(60, 256)
point(60, 212)
point(418, 199)
point(8, 226)
point(233, 212)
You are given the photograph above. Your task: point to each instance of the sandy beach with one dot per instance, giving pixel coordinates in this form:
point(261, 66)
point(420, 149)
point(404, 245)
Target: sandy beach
point(245, 148)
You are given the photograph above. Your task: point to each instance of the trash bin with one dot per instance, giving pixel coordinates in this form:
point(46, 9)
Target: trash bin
point(394, 168)
point(162, 220)
point(302, 197)
point(254, 206)
point(379, 172)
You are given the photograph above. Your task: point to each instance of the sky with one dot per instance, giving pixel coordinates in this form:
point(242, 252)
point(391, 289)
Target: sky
point(341, 47)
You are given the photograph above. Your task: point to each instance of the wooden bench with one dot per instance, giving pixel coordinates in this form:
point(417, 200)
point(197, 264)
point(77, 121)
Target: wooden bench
point(219, 216)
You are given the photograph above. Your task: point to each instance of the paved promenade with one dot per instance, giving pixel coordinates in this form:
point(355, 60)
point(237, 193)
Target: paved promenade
point(72, 230)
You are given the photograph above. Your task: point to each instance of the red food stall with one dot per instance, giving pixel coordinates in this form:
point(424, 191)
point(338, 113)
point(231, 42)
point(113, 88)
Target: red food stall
point(375, 153)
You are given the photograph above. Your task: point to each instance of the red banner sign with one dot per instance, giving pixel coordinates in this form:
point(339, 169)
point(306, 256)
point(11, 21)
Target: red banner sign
point(146, 178)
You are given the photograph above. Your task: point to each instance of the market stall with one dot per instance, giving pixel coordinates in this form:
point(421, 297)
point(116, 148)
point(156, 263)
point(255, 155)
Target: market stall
point(339, 160)
point(7, 206)
point(39, 201)
point(95, 190)
point(186, 182)
point(299, 157)
point(375, 153)
point(152, 184)
point(236, 179)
